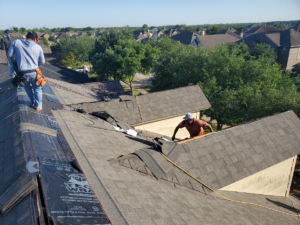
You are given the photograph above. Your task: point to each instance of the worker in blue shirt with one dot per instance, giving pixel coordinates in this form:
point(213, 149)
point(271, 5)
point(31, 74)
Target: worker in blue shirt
point(28, 56)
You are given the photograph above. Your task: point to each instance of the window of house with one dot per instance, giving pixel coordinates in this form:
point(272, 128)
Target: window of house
point(298, 56)
point(283, 50)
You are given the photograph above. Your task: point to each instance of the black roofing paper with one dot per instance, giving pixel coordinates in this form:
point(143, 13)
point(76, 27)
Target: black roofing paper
point(50, 94)
point(69, 198)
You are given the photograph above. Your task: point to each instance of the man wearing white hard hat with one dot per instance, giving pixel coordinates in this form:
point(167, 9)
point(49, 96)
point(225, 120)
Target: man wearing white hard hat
point(194, 126)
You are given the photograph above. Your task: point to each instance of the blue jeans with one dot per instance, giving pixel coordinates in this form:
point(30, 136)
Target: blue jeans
point(34, 91)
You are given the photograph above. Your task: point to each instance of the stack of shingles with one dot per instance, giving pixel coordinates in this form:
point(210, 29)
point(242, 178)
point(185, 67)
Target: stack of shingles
point(12, 192)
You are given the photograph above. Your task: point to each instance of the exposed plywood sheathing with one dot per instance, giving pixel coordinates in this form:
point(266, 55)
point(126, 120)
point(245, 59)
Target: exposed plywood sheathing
point(166, 127)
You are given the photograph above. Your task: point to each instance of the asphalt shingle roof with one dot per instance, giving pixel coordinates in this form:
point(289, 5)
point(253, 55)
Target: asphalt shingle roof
point(64, 74)
point(264, 29)
point(224, 157)
point(132, 197)
point(153, 106)
point(208, 41)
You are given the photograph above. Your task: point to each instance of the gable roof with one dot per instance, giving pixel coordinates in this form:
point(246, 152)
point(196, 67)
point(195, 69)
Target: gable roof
point(88, 92)
point(253, 25)
point(225, 31)
point(264, 29)
point(289, 38)
point(232, 32)
point(124, 196)
point(208, 41)
point(62, 35)
point(222, 158)
point(250, 38)
point(153, 106)
point(297, 27)
point(285, 38)
point(133, 196)
point(64, 74)
point(185, 38)
point(275, 37)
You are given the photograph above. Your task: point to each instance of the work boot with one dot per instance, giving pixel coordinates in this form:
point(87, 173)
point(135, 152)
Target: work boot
point(38, 109)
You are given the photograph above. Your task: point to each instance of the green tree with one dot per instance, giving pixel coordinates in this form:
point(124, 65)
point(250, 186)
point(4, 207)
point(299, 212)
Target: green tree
point(264, 50)
point(15, 29)
point(88, 29)
point(145, 27)
point(240, 85)
point(214, 30)
point(69, 60)
point(22, 30)
point(280, 26)
point(51, 38)
point(119, 56)
point(45, 42)
point(79, 46)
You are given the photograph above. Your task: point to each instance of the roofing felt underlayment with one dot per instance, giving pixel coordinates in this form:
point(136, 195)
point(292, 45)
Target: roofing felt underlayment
point(126, 192)
point(33, 142)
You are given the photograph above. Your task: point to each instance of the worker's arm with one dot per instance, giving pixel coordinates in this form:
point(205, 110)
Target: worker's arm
point(41, 57)
point(10, 57)
point(2, 46)
point(175, 131)
point(209, 127)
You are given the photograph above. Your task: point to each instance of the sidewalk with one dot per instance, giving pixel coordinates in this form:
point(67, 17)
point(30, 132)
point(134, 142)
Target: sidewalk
point(142, 81)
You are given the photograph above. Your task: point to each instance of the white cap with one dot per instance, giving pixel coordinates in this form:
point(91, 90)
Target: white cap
point(188, 116)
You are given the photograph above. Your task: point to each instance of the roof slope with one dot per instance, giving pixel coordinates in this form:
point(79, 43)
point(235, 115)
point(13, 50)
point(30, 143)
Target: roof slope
point(227, 156)
point(264, 29)
point(209, 41)
point(289, 38)
point(185, 38)
point(153, 106)
point(250, 38)
point(5, 79)
point(88, 92)
point(64, 74)
point(297, 27)
point(28, 142)
point(275, 37)
point(141, 199)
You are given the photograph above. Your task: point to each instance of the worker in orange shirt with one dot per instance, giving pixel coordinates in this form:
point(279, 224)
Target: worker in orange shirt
point(193, 125)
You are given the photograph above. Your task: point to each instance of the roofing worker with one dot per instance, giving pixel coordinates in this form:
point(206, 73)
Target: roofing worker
point(29, 56)
point(7, 40)
point(193, 125)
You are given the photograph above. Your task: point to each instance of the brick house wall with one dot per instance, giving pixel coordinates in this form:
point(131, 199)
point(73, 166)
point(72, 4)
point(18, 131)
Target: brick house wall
point(293, 58)
point(282, 58)
point(46, 36)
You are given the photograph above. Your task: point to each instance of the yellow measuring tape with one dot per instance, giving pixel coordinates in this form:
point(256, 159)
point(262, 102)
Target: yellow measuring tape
point(228, 199)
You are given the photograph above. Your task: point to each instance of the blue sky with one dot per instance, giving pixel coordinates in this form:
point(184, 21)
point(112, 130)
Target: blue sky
point(116, 13)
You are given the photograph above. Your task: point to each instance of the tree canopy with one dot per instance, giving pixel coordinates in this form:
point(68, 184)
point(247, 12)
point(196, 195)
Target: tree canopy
point(119, 56)
point(240, 84)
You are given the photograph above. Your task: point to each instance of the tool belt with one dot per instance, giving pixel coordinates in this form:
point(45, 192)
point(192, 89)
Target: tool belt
point(20, 78)
point(40, 79)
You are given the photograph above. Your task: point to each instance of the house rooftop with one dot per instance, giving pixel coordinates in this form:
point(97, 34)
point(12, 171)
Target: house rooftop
point(264, 29)
point(96, 170)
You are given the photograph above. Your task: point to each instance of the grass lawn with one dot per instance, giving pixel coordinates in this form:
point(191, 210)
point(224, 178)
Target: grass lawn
point(135, 92)
point(127, 80)
point(147, 88)
point(92, 75)
point(214, 127)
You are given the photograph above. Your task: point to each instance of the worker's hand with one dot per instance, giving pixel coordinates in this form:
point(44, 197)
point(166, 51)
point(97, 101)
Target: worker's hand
point(12, 75)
